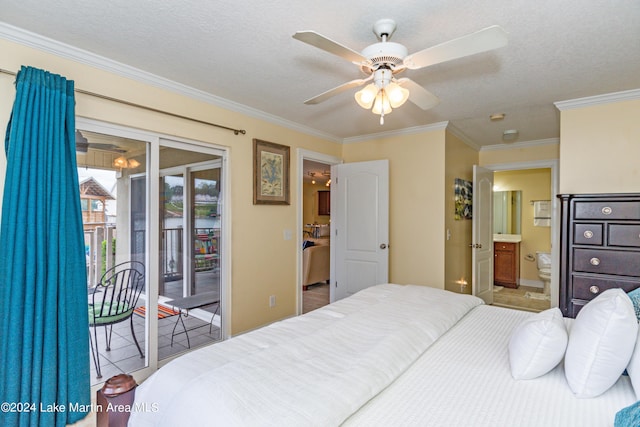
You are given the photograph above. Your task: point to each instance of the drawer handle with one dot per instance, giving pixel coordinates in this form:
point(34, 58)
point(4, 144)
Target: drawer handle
point(594, 289)
point(607, 210)
point(588, 234)
point(595, 261)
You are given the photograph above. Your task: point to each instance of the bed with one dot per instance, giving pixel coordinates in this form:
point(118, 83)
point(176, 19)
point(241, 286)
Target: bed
point(388, 355)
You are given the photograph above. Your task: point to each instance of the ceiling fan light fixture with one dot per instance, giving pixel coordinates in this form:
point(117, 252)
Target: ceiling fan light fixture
point(382, 105)
point(397, 95)
point(124, 163)
point(366, 96)
point(120, 162)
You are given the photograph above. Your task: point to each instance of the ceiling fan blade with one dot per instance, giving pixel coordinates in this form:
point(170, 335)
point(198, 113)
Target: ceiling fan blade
point(336, 90)
point(419, 95)
point(328, 45)
point(106, 147)
point(481, 41)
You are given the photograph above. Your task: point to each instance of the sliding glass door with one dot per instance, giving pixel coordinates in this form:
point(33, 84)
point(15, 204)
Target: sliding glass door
point(190, 231)
point(158, 203)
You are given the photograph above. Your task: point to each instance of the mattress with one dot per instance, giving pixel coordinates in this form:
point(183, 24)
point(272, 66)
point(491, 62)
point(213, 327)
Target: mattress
point(315, 369)
point(464, 379)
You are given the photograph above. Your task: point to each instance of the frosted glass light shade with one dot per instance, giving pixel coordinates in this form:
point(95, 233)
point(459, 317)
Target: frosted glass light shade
point(366, 96)
point(381, 104)
point(397, 95)
point(120, 162)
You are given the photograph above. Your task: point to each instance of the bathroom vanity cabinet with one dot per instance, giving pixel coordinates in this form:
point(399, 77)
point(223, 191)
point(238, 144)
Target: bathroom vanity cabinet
point(599, 247)
point(506, 264)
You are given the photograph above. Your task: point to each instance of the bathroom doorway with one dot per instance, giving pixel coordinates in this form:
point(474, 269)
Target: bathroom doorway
point(525, 235)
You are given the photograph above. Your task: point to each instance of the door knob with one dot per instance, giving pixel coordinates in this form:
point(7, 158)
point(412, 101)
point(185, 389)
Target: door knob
point(383, 246)
point(475, 245)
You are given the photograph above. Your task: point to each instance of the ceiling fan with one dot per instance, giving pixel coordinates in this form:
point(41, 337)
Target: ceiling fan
point(83, 145)
point(382, 61)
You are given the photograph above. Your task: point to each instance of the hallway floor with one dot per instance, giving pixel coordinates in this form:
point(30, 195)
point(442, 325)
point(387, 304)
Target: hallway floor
point(523, 298)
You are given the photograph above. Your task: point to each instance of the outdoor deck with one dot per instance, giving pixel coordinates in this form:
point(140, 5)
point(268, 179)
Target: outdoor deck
point(124, 356)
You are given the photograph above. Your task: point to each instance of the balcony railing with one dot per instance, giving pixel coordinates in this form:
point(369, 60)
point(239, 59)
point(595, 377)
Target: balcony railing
point(102, 256)
point(99, 257)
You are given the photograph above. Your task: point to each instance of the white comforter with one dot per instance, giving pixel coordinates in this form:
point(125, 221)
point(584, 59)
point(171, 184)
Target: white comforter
point(315, 369)
point(465, 380)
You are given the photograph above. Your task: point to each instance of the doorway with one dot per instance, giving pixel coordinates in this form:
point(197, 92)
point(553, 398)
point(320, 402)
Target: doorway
point(537, 183)
point(314, 219)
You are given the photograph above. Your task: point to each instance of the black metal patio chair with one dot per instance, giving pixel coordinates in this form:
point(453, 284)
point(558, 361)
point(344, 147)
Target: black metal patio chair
point(112, 301)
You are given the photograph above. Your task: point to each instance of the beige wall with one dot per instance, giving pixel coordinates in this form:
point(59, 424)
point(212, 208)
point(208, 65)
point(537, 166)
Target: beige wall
point(518, 154)
point(257, 239)
point(600, 148)
point(416, 203)
point(459, 161)
point(535, 184)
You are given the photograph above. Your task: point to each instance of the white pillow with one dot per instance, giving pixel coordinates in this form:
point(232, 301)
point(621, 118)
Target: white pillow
point(537, 345)
point(601, 342)
point(634, 367)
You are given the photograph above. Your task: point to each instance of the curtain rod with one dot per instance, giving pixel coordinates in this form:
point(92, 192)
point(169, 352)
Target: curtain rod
point(144, 107)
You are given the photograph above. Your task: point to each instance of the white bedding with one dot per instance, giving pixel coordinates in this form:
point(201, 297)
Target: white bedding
point(464, 379)
point(315, 369)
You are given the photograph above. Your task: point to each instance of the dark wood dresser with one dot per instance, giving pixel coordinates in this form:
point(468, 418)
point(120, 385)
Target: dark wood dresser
point(599, 247)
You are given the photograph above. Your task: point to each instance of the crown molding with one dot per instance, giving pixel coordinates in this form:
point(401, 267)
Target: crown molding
point(627, 95)
point(458, 133)
point(397, 132)
point(45, 44)
point(523, 144)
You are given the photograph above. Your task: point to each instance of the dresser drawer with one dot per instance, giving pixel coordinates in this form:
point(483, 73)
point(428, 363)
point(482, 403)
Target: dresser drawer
point(621, 263)
point(607, 210)
point(587, 234)
point(587, 288)
point(624, 235)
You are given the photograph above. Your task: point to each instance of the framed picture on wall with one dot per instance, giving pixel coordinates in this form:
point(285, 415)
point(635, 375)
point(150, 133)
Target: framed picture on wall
point(270, 173)
point(463, 197)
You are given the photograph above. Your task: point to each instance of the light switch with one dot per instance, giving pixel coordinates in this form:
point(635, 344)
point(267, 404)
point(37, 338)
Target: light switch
point(288, 234)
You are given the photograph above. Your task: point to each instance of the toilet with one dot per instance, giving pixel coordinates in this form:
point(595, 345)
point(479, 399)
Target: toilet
point(544, 269)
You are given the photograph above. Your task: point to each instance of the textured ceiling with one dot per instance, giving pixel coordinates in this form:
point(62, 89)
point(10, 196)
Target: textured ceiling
point(243, 52)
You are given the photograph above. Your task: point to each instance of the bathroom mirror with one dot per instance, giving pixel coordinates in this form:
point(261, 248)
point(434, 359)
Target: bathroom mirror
point(507, 212)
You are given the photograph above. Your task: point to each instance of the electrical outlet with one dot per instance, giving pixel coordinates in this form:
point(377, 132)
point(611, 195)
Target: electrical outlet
point(272, 301)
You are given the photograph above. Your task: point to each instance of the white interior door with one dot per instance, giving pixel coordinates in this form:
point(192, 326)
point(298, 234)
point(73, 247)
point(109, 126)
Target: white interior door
point(359, 227)
point(482, 240)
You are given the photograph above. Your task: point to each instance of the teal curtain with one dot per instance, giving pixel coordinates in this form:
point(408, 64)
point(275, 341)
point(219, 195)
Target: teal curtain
point(44, 341)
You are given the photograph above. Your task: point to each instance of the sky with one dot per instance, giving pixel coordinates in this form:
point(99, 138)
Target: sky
point(107, 179)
